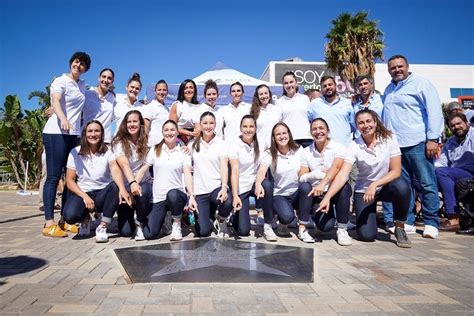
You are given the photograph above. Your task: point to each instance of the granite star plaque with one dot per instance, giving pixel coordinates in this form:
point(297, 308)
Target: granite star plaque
point(217, 260)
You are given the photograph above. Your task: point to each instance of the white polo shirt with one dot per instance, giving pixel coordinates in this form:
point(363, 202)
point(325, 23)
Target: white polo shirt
point(245, 155)
point(134, 162)
point(206, 165)
point(72, 101)
point(268, 117)
point(186, 112)
point(167, 170)
point(122, 107)
point(286, 174)
point(157, 114)
point(295, 114)
point(207, 108)
point(372, 164)
point(231, 116)
point(100, 109)
point(93, 172)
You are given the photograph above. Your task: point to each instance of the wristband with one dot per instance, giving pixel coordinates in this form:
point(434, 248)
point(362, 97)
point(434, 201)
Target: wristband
point(132, 182)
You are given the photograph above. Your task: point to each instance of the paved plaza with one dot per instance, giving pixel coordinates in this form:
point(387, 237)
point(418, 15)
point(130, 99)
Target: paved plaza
point(40, 275)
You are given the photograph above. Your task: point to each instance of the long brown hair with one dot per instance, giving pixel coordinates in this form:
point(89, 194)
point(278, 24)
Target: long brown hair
point(255, 140)
point(381, 132)
point(274, 147)
point(124, 138)
point(159, 146)
point(197, 142)
point(85, 147)
point(256, 104)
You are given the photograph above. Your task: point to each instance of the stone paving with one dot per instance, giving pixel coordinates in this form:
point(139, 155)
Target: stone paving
point(40, 275)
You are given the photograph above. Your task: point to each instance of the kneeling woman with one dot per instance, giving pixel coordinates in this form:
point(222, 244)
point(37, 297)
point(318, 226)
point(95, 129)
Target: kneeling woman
point(284, 161)
point(211, 174)
point(94, 166)
point(169, 163)
point(244, 160)
point(377, 156)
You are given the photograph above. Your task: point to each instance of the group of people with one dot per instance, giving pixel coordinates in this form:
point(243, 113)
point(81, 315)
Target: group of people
point(295, 157)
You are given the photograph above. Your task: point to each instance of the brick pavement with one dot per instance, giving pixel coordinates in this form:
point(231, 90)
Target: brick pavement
point(40, 275)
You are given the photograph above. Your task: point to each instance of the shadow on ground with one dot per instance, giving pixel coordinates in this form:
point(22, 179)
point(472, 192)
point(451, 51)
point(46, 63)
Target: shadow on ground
point(19, 264)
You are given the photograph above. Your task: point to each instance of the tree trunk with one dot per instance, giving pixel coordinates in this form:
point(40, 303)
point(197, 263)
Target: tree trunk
point(14, 167)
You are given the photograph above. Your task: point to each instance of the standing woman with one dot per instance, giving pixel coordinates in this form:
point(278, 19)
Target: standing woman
point(284, 161)
point(376, 154)
point(61, 133)
point(266, 113)
point(182, 111)
point(232, 114)
point(211, 93)
point(321, 162)
point(90, 170)
point(244, 161)
point(294, 107)
point(155, 114)
point(129, 101)
point(130, 150)
point(211, 173)
point(169, 164)
point(100, 103)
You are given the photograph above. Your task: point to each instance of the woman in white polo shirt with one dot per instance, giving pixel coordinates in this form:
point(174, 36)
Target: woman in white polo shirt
point(130, 150)
point(211, 94)
point(377, 156)
point(284, 161)
point(129, 101)
point(211, 173)
point(244, 155)
point(232, 114)
point(321, 161)
point(100, 103)
point(294, 107)
point(169, 163)
point(61, 134)
point(156, 113)
point(90, 170)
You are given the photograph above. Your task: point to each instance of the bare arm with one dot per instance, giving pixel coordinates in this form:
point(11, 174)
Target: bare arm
point(118, 179)
point(337, 163)
point(224, 170)
point(394, 172)
point(234, 180)
point(123, 163)
point(188, 183)
point(335, 186)
point(259, 191)
point(56, 105)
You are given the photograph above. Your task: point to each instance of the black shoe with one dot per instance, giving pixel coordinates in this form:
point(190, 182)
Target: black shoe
point(402, 238)
point(467, 231)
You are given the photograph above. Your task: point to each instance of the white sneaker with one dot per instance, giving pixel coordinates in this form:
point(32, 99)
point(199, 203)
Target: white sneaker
point(139, 234)
point(304, 236)
point(430, 232)
point(101, 234)
point(268, 233)
point(282, 230)
point(85, 228)
point(176, 231)
point(410, 229)
point(343, 237)
point(222, 230)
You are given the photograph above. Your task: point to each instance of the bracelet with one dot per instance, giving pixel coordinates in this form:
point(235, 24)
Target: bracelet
point(132, 182)
point(224, 186)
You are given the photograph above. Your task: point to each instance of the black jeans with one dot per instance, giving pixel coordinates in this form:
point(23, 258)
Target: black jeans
point(341, 201)
point(207, 206)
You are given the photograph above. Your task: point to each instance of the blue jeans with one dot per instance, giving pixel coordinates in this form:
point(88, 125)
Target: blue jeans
point(341, 201)
point(57, 148)
point(207, 206)
point(447, 177)
point(416, 164)
point(284, 205)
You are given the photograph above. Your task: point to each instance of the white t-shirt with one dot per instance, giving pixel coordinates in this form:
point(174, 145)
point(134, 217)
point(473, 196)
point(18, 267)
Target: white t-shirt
point(93, 172)
point(134, 162)
point(186, 112)
point(372, 164)
point(157, 114)
point(122, 107)
point(231, 116)
point(101, 110)
point(167, 170)
point(295, 114)
point(245, 155)
point(268, 117)
point(206, 165)
point(286, 174)
point(72, 101)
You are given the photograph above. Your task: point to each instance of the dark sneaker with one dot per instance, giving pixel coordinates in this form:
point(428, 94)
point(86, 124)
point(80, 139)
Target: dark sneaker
point(402, 238)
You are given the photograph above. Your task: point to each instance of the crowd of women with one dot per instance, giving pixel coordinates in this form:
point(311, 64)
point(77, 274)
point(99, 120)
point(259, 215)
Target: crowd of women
point(207, 162)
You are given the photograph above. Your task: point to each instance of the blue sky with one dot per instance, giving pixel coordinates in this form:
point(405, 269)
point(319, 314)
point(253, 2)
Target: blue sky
point(175, 40)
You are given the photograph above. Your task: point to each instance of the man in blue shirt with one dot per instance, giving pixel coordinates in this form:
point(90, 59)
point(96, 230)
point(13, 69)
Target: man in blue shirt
point(412, 110)
point(336, 111)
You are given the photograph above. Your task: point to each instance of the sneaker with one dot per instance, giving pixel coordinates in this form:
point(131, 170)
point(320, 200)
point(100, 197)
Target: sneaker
point(343, 237)
point(402, 238)
point(54, 231)
point(351, 226)
point(304, 236)
point(410, 229)
point(222, 230)
point(282, 230)
point(430, 232)
point(268, 233)
point(390, 228)
point(139, 234)
point(101, 234)
point(68, 227)
point(176, 231)
point(260, 221)
point(85, 228)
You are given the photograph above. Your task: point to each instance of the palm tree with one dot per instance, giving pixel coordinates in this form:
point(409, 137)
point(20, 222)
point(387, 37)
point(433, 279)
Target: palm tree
point(44, 98)
point(354, 44)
